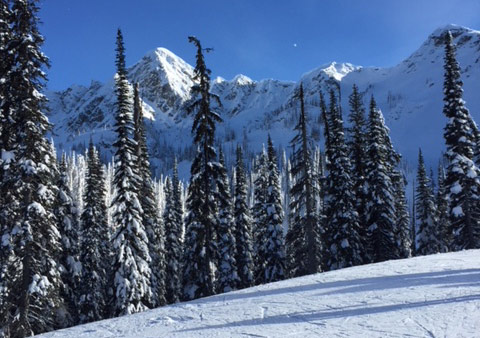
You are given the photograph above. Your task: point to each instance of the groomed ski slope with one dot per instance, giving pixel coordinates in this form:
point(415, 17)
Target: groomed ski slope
point(431, 296)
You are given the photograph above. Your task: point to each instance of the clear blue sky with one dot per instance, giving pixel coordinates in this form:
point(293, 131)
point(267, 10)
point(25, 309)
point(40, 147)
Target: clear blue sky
point(259, 38)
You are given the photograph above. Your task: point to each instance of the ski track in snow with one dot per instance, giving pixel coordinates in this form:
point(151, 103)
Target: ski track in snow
point(432, 296)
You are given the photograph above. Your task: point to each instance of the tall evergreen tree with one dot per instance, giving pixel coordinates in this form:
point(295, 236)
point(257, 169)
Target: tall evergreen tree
point(403, 226)
point(427, 226)
point(443, 227)
point(96, 252)
point(243, 226)
point(173, 238)
point(462, 181)
point(259, 212)
point(68, 225)
point(273, 246)
point(381, 205)
point(30, 231)
point(358, 153)
point(151, 220)
point(342, 217)
point(202, 219)
point(303, 240)
point(227, 266)
point(132, 273)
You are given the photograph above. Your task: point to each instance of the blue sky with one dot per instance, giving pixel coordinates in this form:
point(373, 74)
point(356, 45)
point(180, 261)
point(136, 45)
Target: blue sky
point(259, 38)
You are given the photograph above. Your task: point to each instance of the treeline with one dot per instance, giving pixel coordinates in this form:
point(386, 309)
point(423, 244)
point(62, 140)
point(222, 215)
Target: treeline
point(81, 241)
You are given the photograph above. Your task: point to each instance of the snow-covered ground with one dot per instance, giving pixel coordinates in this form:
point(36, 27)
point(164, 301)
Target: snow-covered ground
point(432, 296)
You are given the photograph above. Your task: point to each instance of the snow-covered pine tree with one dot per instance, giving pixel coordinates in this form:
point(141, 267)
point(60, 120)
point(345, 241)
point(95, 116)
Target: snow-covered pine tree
point(7, 219)
point(273, 247)
point(441, 201)
point(243, 225)
point(172, 220)
point(96, 252)
point(426, 212)
point(343, 236)
point(36, 282)
point(462, 182)
point(202, 218)
point(131, 267)
point(357, 144)
point(381, 244)
point(68, 225)
point(303, 240)
point(227, 266)
point(259, 214)
point(403, 225)
point(151, 221)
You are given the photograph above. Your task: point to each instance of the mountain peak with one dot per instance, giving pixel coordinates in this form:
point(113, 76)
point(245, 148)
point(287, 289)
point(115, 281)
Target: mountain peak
point(242, 80)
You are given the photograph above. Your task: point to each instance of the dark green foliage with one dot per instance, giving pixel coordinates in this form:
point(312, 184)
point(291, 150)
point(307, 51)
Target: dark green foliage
point(461, 182)
point(243, 225)
point(227, 266)
point(202, 219)
point(96, 252)
point(444, 236)
point(343, 237)
point(173, 223)
point(381, 204)
point(303, 240)
point(131, 267)
point(403, 227)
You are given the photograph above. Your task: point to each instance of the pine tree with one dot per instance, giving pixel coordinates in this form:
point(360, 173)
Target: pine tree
point(273, 246)
point(358, 153)
point(443, 227)
point(427, 226)
point(202, 219)
point(96, 252)
point(173, 237)
point(462, 181)
point(259, 212)
point(29, 233)
point(381, 205)
point(151, 220)
point(243, 226)
point(403, 229)
point(303, 240)
point(343, 237)
point(227, 266)
point(132, 273)
point(67, 217)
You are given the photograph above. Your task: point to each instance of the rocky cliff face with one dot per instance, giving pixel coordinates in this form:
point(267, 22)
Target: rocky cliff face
point(409, 94)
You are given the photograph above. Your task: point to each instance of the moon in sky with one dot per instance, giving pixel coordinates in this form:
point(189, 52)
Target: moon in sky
point(294, 45)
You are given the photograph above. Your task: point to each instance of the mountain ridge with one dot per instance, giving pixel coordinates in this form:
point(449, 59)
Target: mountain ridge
point(409, 94)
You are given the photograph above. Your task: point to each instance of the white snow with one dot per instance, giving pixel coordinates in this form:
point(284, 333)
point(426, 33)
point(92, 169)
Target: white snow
point(431, 296)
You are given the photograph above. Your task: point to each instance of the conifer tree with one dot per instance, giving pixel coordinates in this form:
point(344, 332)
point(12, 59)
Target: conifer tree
point(151, 220)
point(259, 212)
point(243, 226)
point(303, 240)
point(403, 229)
point(273, 246)
point(227, 266)
point(461, 183)
point(443, 227)
point(358, 153)
point(202, 219)
point(427, 226)
point(343, 236)
point(96, 252)
point(381, 205)
point(173, 238)
point(68, 219)
point(29, 234)
point(131, 268)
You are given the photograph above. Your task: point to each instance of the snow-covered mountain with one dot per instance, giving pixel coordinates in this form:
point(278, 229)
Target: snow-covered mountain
point(409, 94)
point(429, 296)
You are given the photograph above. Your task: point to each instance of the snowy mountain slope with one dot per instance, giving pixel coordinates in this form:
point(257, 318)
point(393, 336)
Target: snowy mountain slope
point(410, 95)
point(430, 296)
